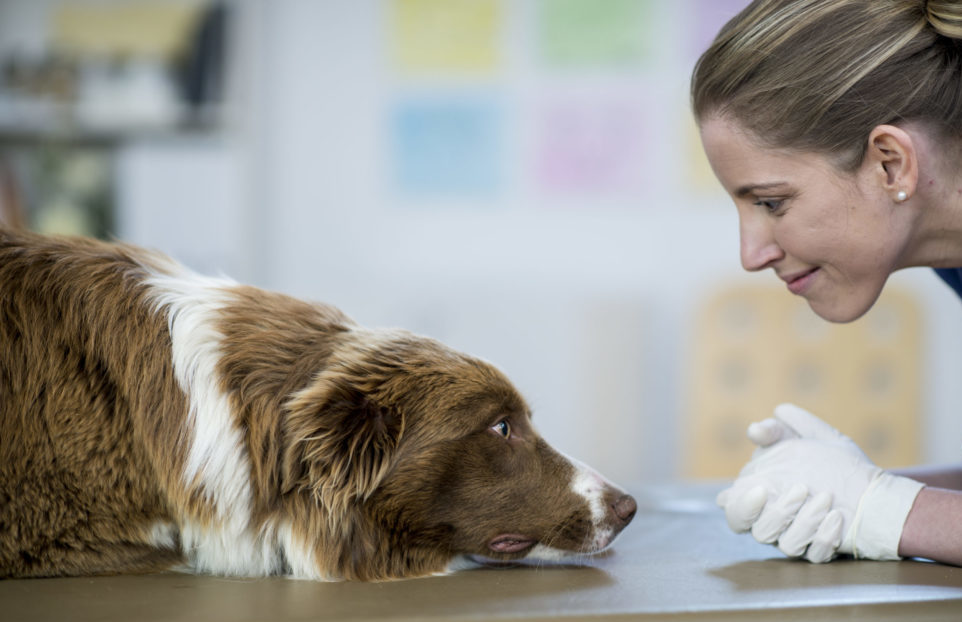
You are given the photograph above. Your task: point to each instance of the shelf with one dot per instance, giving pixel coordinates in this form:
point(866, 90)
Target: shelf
point(44, 124)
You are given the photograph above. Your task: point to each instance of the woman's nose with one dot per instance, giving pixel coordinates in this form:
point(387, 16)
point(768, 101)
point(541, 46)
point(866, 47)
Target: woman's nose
point(758, 247)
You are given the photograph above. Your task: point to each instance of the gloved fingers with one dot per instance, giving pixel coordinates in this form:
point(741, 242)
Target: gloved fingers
point(742, 507)
point(827, 539)
point(796, 538)
point(778, 514)
point(768, 432)
point(805, 424)
point(722, 499)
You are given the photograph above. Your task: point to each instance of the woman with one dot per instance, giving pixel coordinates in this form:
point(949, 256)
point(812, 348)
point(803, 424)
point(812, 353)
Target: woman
point(836, 127)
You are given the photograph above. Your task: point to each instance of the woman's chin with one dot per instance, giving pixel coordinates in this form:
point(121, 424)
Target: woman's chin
point(840, 311)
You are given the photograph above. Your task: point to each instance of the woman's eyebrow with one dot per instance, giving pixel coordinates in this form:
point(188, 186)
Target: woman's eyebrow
point(748, 189)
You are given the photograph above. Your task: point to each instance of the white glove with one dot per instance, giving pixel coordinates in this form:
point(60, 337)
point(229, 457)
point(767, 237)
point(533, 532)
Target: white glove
point(812, 490)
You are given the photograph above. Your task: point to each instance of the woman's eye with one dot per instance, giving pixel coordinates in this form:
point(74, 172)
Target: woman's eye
point(503, 428)
point(771, 205)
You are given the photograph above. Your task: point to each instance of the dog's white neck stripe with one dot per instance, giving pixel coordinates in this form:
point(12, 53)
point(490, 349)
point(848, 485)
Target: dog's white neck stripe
point(216, 459)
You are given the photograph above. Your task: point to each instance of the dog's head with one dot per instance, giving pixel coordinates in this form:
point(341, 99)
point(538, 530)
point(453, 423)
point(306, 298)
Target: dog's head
point(404, 456)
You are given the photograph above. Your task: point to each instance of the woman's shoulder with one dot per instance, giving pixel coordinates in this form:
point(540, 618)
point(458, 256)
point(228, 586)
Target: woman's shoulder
point(952, 276)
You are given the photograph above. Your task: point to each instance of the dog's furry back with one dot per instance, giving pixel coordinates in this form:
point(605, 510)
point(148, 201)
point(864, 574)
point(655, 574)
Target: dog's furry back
point(73, 342)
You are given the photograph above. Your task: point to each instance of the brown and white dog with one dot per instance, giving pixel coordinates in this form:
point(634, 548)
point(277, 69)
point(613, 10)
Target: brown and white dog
point(151, 418)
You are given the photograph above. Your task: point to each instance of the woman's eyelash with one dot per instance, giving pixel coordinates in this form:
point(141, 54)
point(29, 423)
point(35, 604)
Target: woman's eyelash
point(770, 205)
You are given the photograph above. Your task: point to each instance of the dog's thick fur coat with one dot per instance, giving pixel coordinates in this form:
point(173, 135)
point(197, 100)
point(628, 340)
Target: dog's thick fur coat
point(151, 418)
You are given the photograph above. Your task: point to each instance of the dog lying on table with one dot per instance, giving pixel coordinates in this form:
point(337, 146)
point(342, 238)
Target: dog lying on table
point(152, 418)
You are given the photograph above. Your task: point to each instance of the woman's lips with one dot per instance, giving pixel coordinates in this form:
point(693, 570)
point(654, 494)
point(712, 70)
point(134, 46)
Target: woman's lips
point(800, 282)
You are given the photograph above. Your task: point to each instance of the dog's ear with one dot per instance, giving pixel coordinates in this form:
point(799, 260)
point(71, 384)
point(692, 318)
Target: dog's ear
point(339, 440)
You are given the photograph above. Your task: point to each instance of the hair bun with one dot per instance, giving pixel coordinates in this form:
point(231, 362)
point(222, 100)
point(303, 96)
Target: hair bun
point(945, 16)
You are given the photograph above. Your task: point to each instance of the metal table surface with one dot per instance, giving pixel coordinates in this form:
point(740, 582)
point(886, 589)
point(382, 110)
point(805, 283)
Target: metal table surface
point(676, 561)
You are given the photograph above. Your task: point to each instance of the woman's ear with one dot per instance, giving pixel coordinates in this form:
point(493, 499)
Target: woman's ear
point(892, 157)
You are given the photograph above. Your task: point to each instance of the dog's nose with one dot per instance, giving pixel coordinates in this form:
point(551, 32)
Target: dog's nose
point(624, 508)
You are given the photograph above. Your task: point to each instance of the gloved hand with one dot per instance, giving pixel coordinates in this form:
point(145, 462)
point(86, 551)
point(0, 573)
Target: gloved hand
point(812, 490)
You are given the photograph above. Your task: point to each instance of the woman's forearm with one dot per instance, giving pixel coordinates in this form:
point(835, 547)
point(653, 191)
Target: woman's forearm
point(933, 529)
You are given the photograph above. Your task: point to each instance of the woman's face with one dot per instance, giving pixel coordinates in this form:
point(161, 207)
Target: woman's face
point(833, 237)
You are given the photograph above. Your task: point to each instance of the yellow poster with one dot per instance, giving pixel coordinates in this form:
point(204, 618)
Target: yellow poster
point(447, 36)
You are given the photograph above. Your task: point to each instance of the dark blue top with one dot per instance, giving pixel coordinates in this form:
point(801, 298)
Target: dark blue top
point(952, 276)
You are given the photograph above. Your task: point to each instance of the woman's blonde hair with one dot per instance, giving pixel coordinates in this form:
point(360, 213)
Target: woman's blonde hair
point(818, 75)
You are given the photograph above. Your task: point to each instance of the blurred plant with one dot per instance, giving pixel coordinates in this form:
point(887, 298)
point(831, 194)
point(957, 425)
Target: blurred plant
point(72, 192)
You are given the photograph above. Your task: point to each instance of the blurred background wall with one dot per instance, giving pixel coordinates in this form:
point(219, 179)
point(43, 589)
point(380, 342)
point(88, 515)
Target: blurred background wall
point(518, 178)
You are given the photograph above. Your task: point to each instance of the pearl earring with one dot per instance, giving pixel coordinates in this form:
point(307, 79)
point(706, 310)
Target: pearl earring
point(901, 196)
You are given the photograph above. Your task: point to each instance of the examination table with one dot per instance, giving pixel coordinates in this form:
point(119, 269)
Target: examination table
point(676, 561)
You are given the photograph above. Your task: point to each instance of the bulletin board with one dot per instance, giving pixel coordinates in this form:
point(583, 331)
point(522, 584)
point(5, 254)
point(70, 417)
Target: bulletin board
point(755, 347)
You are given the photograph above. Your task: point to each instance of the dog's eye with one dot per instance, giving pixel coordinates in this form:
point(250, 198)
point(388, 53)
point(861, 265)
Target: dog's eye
point(503, 428)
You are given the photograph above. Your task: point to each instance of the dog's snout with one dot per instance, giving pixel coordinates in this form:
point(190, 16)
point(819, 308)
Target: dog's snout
point(624, 507)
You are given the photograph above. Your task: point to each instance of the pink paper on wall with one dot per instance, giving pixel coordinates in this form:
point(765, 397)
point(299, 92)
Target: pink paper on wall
point(591, 147)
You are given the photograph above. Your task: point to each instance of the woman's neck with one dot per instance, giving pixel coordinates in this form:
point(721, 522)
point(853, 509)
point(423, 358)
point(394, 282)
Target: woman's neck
point(938, 201)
